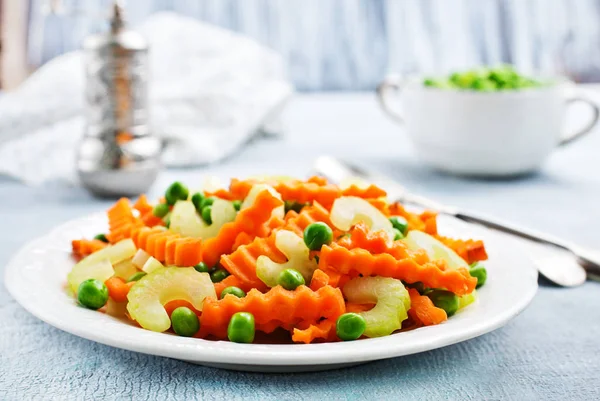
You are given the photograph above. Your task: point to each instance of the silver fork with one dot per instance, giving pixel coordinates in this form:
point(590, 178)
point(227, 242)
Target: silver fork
point(560, 270)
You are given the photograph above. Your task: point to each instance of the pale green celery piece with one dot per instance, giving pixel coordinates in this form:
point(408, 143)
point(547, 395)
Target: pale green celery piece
point(350, 210)
point(467, 299)
point(391, 299)
point(186, 221)
point(112, 254)
point(148, 295)
point(101, 270)
point(297, 253)
point(253, 194)
point(125, 269)
point(151, 265)
point(435, 249)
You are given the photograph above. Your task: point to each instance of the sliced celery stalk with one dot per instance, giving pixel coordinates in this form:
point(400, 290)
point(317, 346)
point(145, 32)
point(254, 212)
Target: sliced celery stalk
point(391, 300)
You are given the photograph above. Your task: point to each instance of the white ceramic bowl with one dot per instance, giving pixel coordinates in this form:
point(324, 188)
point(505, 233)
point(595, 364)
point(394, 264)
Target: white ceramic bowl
point(500, 133)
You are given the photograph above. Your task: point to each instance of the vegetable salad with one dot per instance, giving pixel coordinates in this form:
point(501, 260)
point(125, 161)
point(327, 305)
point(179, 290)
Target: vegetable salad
point(317, 261)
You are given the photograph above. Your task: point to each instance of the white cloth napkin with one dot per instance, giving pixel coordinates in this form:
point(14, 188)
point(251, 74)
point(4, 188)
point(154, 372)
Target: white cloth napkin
point(210, 91)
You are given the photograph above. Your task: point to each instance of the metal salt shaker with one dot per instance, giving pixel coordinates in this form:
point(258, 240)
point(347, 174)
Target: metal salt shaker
point(118, 155)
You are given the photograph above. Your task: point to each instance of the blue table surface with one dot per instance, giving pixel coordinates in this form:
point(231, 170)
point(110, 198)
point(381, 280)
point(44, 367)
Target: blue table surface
point(549, 352)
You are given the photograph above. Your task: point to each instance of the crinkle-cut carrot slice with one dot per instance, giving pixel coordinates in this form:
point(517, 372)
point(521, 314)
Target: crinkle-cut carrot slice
point(150, 220)
point(423, 309)
point(469, 249)
point(357, 308)
point(118, 288)
point(242, 262)
point(322, 181)
point(278, 304)
point(380, 204)
point(142, 205)
point(171, 306)
point(430, 220)
point(297, 222)
point(170, 246)
point(84, 247)
point(377, 242)
point(250, 220)
point(358, 260)
point(231, 281)
point(370, 192)
point(242, 239)
point(415, 221)
point(319, 280)
point(142, 237)
point(188, 252)
point(308, 192)
point(222, 193)
point(322, 330)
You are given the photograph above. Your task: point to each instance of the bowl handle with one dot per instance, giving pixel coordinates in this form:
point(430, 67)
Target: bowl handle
point(570, 137)
point(392, 84)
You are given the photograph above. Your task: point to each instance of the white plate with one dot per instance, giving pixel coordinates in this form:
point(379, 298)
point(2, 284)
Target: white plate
point(36, 275)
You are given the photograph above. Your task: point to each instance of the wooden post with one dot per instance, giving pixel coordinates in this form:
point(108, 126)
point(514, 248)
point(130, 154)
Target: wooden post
point(13, 43)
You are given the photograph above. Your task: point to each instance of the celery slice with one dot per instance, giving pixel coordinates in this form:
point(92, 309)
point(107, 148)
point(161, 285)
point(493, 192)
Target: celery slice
point(349, 210)
point(101, 270)
point(257, 189)
point(125, 269)
point(297, 253)
point(186, 221)
point(391, 299)
point(151, 292)
point(435, 249)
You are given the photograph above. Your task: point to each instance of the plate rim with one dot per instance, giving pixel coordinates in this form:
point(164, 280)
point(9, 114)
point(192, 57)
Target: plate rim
point(199, 350)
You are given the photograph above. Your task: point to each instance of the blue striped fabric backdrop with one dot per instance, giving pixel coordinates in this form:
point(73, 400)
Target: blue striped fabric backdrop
point(351, 44)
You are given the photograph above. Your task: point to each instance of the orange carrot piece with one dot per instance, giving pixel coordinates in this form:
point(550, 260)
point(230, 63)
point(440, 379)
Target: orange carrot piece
point(250, 220)
point(231, 281)
point(171, 306)
point(242, 239)
point(349, 261)
point(319, 280)
point(423, 309)
point(470, 250)
point(84, 247)
point(242, 262)
point(322, 330)
point(277, 305)
point(118, 288)
point(188, 252)
point(371, 192)
point(297, 222)
point(142, 205)
point(358, 308)
point(170, 247)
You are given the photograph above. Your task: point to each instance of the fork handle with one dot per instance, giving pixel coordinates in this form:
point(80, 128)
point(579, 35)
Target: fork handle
point(589, 260)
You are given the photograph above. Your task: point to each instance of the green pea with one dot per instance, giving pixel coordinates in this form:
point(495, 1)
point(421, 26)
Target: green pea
point(203, 268)
point(218, 275)
point(484, 85)
point(207, 202)
point(237, 205)
point(399, 223)
point(478, 270)
point(235, 291)
point(101, 237)
point(197, 200)
point(397, 234)
point(176, 191)
point(445, 300)
point(290, 279)
point(293, 205)
point(419, 286)
point(350, 326)
point(92, 294)
point(184, 321)
point(136, 276)
point(316, 235)
point(241, 328)
point(206, 211)
point(160, 210)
